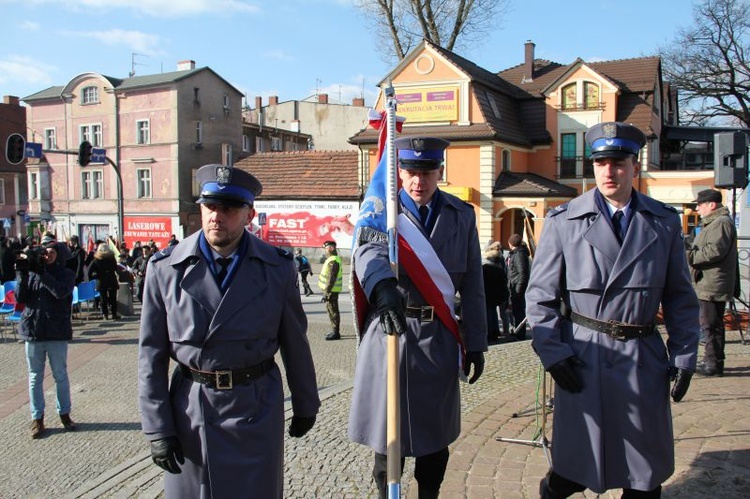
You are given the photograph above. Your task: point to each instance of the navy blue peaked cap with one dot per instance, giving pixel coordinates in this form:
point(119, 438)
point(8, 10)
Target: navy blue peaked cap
point(421, 153)
point(227, 185)
point(614, 140)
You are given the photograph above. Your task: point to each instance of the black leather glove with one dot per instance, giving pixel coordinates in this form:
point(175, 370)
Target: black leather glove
point(681, 378)
point(22, 265)
point(37, 265)
point(300, 425)
point(325, 298)
point(166, 453)
point(475, 359)
point(565, 375)
point(389, 304)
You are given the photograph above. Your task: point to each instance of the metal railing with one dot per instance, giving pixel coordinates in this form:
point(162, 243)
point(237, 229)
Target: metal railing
point(569, 166)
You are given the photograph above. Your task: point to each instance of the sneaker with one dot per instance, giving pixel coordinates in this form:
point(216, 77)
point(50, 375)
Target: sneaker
point(333, 335)
point(37, 428)
point(67, 423)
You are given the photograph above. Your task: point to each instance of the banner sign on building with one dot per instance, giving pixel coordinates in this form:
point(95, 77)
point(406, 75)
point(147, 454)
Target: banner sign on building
point(307, 223)
point(421, 105)
point(144, 229)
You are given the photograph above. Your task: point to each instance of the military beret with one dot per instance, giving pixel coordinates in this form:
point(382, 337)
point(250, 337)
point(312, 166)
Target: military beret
point(614, 140)
point(421, 153)
point(227, 185)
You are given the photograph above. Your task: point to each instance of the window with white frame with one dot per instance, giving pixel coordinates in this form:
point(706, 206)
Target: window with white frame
point(245, 143)
point(2, 191)
point(90, 95)
point(506, 160)
point(198, 132)
point(142, 132)
point(144, 182)
point(226, 153)
point(258, 144)
point(276, 144)
point(226, 102)
point(92, 186)
point(91, 133)
point(33, 185)
point(50, 138)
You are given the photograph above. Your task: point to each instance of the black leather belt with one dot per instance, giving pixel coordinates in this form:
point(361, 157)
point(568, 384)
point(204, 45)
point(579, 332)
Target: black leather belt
point(225, 380)
point(614, 329)
point(424, 314)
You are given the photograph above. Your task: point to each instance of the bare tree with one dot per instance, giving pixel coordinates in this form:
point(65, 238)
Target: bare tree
point(708, 64)
point(399, 25)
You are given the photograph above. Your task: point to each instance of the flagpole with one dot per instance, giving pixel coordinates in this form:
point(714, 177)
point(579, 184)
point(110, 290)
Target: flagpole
point(393, 408)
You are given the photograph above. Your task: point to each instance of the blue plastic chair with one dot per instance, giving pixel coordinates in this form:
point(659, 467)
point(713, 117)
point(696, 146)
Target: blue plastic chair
point(86, 294)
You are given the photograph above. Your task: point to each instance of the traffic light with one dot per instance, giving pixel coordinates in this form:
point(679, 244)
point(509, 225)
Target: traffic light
point(15, 148)
point(84, 153)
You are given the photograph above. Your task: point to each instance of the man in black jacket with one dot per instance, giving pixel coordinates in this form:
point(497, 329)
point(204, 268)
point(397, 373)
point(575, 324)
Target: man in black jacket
point(77, 258)
point(518, 281)
point(45, 285)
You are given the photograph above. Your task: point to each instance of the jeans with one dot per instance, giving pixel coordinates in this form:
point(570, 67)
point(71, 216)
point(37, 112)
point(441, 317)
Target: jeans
point(36, 355)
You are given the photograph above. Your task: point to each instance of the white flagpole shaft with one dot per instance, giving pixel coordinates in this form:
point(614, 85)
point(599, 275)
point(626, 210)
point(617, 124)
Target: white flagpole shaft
point(393, 407)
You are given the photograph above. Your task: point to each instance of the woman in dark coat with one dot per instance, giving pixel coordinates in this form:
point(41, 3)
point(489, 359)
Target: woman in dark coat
point(104, 269)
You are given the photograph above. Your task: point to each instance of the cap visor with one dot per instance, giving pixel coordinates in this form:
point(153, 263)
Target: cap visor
point(611, 154)
point(406, 164)
point(223, 201)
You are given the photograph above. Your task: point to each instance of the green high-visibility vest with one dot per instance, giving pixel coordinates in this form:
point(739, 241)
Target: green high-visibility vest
point(323, 277)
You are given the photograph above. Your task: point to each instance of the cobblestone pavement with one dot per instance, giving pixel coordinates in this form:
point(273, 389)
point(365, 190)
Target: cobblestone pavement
point(108, 456)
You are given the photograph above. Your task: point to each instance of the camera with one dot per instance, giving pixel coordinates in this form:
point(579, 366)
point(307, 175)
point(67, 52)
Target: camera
point(31, 259)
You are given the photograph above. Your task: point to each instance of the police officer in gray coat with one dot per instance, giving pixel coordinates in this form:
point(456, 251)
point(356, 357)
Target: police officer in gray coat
point(219, 305)
point(605, 263)
point(429, 353)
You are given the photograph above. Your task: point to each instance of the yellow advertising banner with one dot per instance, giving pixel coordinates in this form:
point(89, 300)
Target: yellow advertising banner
point(420, 105)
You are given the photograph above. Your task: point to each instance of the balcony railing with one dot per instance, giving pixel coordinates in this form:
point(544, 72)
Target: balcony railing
point(578, 106)
point(569, 167)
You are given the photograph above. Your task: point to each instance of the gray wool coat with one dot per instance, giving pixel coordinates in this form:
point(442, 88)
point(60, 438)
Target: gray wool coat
point(617, 432)
point(428, 353)
point(233, 440)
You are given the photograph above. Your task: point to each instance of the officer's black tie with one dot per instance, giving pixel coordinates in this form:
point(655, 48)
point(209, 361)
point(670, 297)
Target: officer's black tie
point(617, 225)
point(423, 212)
point(223, 269)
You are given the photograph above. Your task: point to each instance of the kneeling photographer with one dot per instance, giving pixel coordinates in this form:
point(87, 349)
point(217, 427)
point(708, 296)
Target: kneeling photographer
point(44, 285)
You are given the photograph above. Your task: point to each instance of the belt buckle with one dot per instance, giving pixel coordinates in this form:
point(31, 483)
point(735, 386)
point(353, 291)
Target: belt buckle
point(424, 316)
point(223, 380)
point(616, 331)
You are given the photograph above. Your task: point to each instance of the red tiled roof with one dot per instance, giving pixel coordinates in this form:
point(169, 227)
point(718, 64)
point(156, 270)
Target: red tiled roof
point(521, 106)
point(305, 174)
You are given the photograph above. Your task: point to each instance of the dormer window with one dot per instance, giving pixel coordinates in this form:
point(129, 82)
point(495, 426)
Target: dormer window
point(569, 95)
point(590, 95)
point(90, 95)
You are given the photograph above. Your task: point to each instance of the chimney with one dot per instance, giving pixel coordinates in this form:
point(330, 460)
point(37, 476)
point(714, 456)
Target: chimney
point(273, 100)
point(258, 102)
point(185, 65)
point(11, 100)
point(358, 102)
point(322, 98)
point(528, 64)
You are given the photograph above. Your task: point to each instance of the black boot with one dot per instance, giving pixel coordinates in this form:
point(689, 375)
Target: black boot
point(428, 493)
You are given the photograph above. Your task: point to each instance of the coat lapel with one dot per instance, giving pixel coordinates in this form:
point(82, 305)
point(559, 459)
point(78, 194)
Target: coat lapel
point(444, 227)
point(249, 282)
point(640, 236)
point(197, 281)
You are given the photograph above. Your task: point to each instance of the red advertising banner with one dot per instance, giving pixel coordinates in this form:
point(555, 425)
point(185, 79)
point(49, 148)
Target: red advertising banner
point(299, 224)
point(144, 229)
